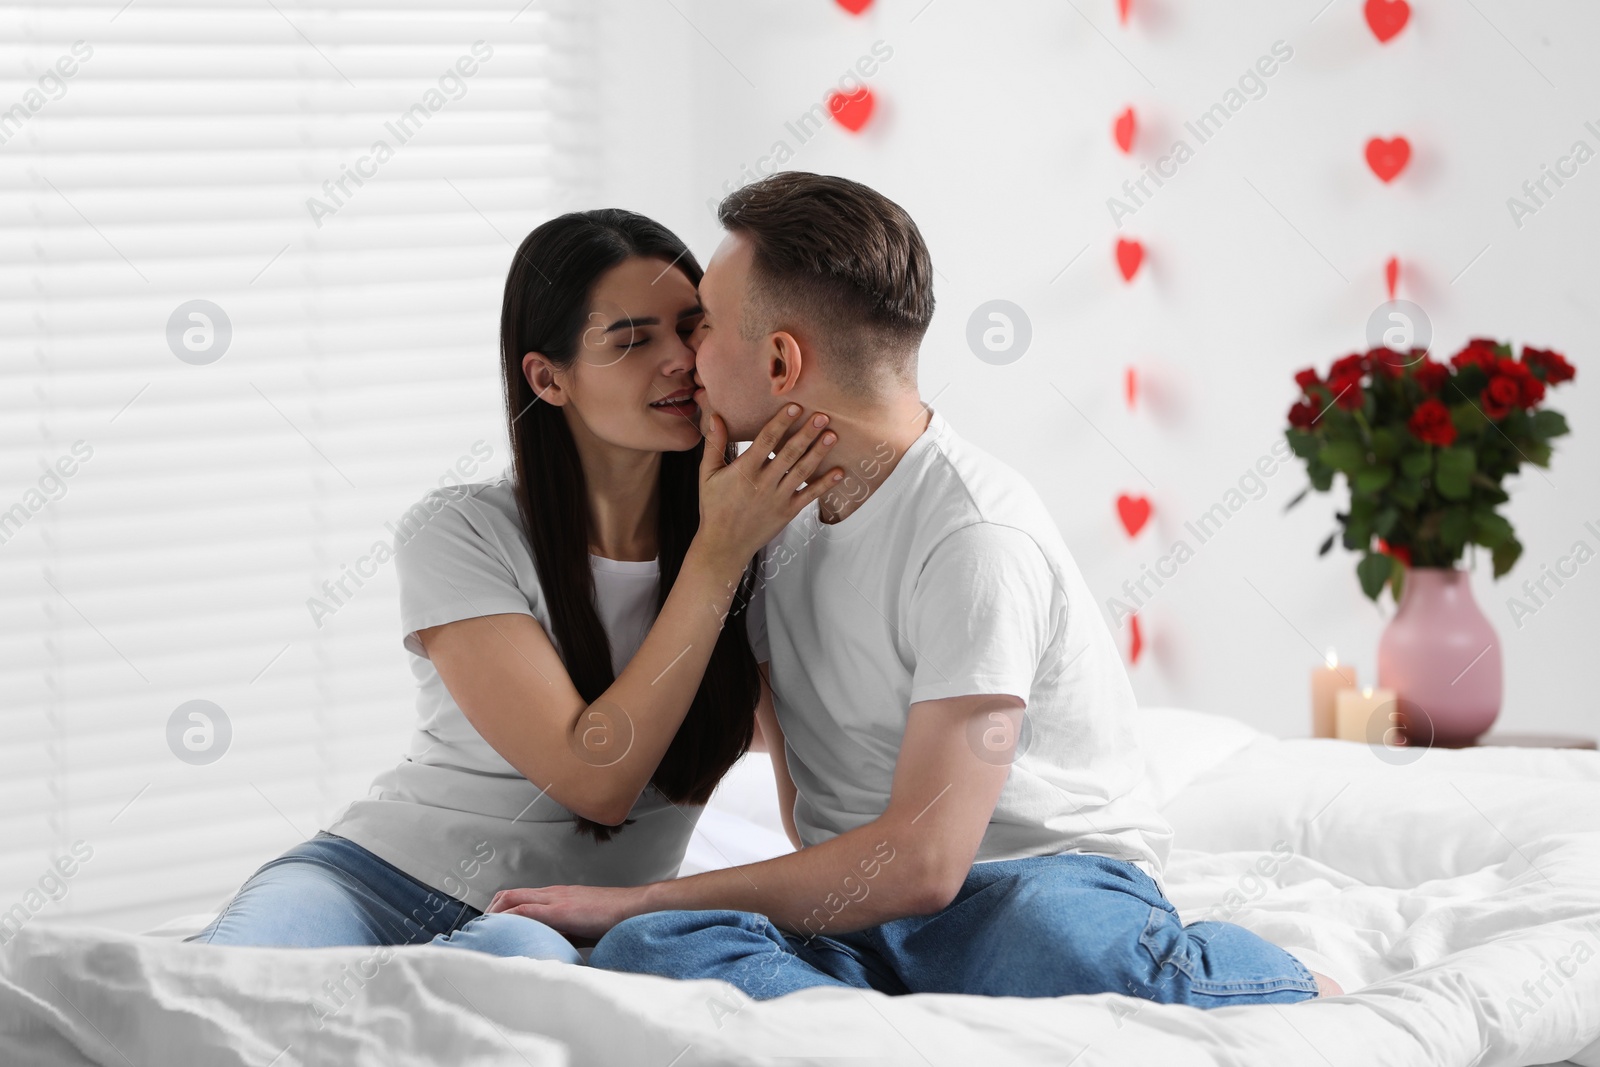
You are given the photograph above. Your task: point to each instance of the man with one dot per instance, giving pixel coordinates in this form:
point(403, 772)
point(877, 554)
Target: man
point(950, 722)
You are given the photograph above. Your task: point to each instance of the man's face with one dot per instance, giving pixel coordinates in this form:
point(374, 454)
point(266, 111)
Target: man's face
point(732, 370)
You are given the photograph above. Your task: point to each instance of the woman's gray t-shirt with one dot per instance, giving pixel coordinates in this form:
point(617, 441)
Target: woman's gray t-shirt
point(453, 814)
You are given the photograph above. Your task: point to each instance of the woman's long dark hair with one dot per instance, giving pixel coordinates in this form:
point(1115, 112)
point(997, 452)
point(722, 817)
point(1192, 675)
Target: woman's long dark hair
point(545, 310)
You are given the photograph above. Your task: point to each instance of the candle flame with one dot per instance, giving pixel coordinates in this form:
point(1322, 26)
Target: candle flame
point(1333, 659)
point(1367, 692)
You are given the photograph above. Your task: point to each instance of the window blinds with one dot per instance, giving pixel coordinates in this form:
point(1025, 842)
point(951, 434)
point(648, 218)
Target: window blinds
point(251, 257)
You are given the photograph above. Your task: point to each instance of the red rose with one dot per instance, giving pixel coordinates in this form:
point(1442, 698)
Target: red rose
point(1345, 366)
point(1399, 552)
point(1302, 416)
point(1306, 379)
point(1554, 365)
point(1387, 361)
point(1480, 351)
point(1431, 375)
point(1530, 390)
point(1346, 390)
point(1431, 423)
point(1500, 396)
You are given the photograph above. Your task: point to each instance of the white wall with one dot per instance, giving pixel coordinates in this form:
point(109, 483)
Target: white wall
point(1266, 254)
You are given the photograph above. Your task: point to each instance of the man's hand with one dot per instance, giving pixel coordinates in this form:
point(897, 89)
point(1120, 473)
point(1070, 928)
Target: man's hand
point(577, 911)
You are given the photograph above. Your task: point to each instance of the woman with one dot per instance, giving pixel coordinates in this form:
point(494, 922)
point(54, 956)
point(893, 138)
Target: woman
point(577, 680)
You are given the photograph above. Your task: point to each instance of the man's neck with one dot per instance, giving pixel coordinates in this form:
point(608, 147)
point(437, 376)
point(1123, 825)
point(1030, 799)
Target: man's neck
point(871, 443)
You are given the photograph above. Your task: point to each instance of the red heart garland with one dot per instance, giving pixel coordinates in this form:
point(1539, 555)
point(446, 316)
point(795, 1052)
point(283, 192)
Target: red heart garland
point(1134, 511)
point(1136, 642)
point(853, 111)
point(1391, 274)
point(1386, 17)
point(1124, 129)
point(1122, 11)
point(1130, 254)
point(1388, 158)
point(1130, 386)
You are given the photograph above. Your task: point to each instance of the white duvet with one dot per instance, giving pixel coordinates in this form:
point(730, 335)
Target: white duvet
point(1457, 898)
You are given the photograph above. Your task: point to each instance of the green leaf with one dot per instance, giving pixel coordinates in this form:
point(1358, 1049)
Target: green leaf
point(1383, 522)
point(1453, 472)
point(1397, 582)
point(1372, 479)
point(1490, 530)
point(1549, 423)
point(1327, 546)
point(1321, 477)
point(1384, 443)
point(1373, 570)
point(1415, 464)
point(1301, 495)
point(1505, 555)
point(1303, 444)
point(1347, 456)
point(1455, 527)
point(1406, 492)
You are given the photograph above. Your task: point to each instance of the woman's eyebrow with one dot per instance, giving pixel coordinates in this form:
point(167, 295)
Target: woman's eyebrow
point(690, 312)
point(628, 324)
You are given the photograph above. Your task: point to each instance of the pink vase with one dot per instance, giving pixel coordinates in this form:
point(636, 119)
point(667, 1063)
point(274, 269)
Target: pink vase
point(1442, 659)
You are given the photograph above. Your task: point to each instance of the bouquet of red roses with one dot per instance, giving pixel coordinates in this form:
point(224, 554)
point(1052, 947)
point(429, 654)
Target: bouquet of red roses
point(1424, 447)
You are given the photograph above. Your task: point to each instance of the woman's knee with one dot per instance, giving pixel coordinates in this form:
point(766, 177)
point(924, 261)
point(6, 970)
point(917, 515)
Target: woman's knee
point(508, 935)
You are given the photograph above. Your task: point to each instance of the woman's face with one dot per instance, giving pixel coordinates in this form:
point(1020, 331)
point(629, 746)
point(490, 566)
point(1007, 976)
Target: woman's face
point(632, 356)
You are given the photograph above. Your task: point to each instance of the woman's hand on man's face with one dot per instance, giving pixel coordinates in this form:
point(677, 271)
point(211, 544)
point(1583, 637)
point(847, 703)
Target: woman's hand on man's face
point(745, 503)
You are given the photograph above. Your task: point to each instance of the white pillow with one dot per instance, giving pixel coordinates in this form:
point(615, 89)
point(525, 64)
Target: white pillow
point(1180, 745)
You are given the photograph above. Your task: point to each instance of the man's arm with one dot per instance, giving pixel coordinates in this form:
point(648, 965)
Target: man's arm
point(767, 721)
point(911, 860)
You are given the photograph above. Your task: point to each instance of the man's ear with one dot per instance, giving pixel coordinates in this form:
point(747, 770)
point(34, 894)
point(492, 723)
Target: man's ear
point(541, 375)
point(784, 363)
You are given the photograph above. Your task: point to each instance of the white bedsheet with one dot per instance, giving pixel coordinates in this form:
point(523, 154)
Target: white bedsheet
point(1433, 890)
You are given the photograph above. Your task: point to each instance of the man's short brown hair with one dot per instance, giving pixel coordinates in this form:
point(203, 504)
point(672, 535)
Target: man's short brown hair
point(839, 262)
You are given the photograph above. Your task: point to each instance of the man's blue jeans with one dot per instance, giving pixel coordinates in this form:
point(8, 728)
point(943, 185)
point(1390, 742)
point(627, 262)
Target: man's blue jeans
point(1043, 927)
point(331, 891)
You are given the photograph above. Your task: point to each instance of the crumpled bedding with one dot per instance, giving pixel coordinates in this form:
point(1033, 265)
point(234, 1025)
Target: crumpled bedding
point(1456, 897)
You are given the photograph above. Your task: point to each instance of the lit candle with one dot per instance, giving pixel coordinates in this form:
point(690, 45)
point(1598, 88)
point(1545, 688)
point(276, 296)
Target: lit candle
point(1356, 710)
point(1325, 685)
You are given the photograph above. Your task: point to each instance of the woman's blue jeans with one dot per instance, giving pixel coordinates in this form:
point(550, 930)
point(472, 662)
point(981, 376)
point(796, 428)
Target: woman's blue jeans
point(331, 891)
point(1042, 927)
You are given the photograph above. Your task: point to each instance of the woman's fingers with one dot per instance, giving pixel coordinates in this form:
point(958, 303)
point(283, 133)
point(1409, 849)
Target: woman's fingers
point(714, 457)
point(511, 899)
point(766, 442)
point(814, 489)
point(802, 468)
point(793, 449)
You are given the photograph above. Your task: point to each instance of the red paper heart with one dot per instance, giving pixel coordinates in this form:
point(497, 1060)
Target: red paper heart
point(1124, 129)
point(1387, 17)
point(1388, 158)
point(1129, 255)
point(1122, 11)
point(1130, 386)
point(1136, 642)
point(855, 7)
point(1134, 511)
point(1391, 274)
point(853, 111)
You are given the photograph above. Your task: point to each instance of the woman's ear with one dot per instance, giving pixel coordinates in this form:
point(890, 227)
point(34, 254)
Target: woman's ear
point(542, 376)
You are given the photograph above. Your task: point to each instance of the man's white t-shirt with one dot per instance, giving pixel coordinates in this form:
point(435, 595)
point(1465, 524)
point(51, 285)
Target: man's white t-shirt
point(951, 579)
point(453, 814)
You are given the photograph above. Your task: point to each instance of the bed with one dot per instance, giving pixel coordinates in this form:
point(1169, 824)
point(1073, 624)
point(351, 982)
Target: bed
point(1455, 895)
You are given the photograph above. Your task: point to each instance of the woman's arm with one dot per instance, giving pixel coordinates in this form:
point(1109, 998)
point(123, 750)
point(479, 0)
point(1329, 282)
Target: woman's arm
point(767, 720)
point(595, 759)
